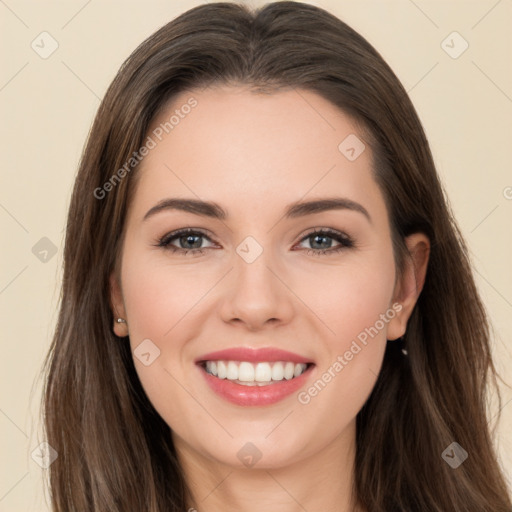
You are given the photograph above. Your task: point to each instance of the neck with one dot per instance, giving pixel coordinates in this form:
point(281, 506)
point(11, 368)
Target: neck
point(323, 481)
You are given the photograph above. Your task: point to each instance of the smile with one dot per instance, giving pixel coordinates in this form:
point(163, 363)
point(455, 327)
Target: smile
point(254, 377)
point(255, 374)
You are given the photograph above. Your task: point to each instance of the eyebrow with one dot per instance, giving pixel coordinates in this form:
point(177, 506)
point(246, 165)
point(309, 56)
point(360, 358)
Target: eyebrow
point(294, 210)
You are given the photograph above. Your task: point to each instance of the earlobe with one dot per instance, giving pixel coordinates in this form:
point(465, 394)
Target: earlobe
point(120, 326)
point(410, 283)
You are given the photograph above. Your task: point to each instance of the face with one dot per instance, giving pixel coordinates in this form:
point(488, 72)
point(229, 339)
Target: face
point(300, 299)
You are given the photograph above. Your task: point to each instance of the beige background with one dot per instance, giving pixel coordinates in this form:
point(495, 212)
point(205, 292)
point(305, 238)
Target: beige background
point(47, 106)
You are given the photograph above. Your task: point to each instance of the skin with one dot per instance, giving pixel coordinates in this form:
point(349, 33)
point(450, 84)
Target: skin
point(255, 154)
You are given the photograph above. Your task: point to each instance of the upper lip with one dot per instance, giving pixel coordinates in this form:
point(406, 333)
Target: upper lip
point(254, 355)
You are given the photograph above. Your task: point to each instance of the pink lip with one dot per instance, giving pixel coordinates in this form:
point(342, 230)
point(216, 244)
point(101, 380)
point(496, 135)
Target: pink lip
point(255, 395)
point(253, 355)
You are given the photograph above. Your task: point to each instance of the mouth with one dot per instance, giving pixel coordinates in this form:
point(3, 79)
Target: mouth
point(249, 377)
point(263, 373)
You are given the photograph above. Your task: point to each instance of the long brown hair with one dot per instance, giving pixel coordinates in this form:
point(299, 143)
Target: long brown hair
point(115, 452)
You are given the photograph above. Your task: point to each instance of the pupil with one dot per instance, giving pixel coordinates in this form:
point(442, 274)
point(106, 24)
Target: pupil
point(324, 238)
point(187, 238)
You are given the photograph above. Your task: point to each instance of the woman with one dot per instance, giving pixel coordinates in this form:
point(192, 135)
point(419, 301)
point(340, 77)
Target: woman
point(249, 372)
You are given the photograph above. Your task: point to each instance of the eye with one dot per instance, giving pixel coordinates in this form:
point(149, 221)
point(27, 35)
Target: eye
point(322, 238)
point(189, 238)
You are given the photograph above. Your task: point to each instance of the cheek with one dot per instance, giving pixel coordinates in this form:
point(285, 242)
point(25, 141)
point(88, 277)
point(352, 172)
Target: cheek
point(158, 296)
point(356, 307)
point(162, 303)
point(349, 298)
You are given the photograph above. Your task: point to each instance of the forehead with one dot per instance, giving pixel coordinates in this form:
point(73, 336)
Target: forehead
point(227, 143)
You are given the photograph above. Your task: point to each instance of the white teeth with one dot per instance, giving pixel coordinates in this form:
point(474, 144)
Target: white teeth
point(232, 371)
point(221, 369)
point(212, 367)
point(245, 372)
point(263, 372)
point(288, 370)
point(250, 374)
point(277, 371)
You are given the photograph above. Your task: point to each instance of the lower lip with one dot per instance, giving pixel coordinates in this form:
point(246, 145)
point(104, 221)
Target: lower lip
point(255, 395)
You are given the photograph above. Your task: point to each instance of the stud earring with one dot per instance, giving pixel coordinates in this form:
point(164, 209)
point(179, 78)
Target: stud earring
point(121, 321)
point(401, 342)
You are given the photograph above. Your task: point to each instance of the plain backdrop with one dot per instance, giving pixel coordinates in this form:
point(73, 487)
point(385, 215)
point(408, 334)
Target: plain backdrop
point(464, 99)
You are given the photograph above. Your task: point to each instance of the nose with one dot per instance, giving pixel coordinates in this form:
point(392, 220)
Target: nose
point(256, 294)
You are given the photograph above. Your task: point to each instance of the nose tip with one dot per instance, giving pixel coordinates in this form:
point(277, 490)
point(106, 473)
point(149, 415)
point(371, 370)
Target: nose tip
point(253, 325)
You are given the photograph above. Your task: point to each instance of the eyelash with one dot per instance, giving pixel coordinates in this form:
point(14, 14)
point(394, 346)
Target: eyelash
point(345, 241)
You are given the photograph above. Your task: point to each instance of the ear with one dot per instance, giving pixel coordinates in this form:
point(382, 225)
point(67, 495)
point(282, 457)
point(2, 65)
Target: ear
point(117, 305)
point(409, 285)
